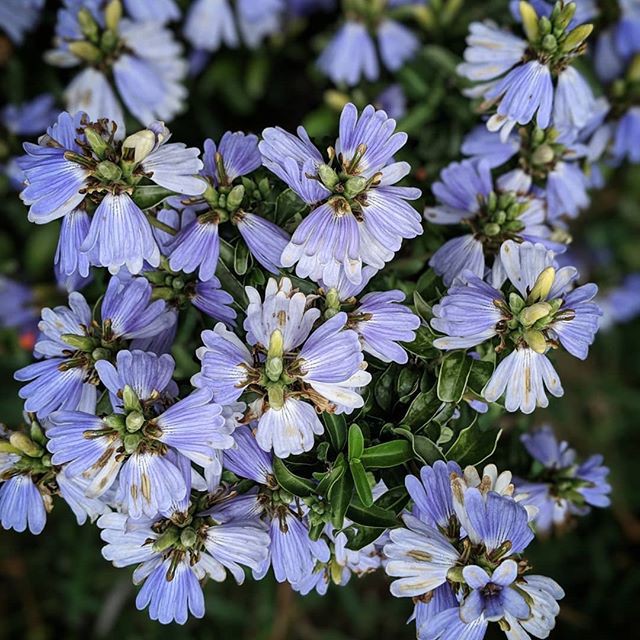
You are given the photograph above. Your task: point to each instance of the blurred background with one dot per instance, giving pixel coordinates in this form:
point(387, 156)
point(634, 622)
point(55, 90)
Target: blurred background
point(57, 585)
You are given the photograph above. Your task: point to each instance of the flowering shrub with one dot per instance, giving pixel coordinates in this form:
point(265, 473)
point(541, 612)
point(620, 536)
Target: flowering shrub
point(314, 354)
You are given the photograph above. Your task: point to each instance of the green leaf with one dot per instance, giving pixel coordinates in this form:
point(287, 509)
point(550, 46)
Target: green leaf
point(338, 470)
point(297, 486)
point(383, 390)
point(336, 426)
point(424, 449)
point(407, 382)
point(241, 258)
point(388, 454)
point(148, 196)
point(422, 346)
point(372, 516)
point(481, 372)
point(360, 537)
point(288, 204)
point(339, 498)
point(422, 409)
point(361, 482)
point(394, 500)
point(356, 442)
point(454, 373)
point(473, 446)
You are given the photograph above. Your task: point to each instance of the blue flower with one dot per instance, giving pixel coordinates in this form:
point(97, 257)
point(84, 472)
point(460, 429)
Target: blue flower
point(139, 62)
point(66, 176)
point(392, 100)
point(197, 245)
point(350, 55)
point(293, 367)
point(159, 11)
point(529, 79)
point(22, 504)
point(359, 217)
point(139, 447)
point(18, 308)
point(626, 143)
point(379, 318)
point(508, 210)
point(305, 7)
point(541, 312)
point(17, 17)
point(175, 553)
point(463, 553)
point(210, 23)
point(292, 553)
point(619, 305)
point(30, 118)
point(565, 488)
point(71, 343)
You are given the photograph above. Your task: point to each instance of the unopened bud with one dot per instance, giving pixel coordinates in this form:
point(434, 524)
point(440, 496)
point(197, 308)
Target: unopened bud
point(516, 303)
point(115, 421)
point(536, 341)
point(549, 43)
point(332, 299)
point(24, 443)
point(276, 397)
point(355, 186)
point(113, 14)
point(235, 197)
point(276, 344)
point(85, 51)
point(491, 229)
point(142, 142)
point(530, 315)
point(82, 343)
point(542, 285)
point(576, 37)
point(543, 155)
point(134, 421)
point(130, 399)
point(100, 354)
point(88, 25)
point(109, 171)
point(273, 368)
point(188, 537)
point(328, 176)
point(566, 16)
point(131, 442)
point(97, 143)
point(529, 21)
point(166, 540)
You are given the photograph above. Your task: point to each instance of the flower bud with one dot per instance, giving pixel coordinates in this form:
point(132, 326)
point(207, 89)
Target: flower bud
point(491, 229)
point(130, 399)
point(276, 344)
point(115, 421)
point(131, 442)
point(88, 25)
point(113, 14)
point(273, 368)
point(543, 155)
point(235, 197)
point(188, 537)
point(142, 142)
point(100, 354)
point(97, 143)
point(529, 21)
point(134, 421)
point(85, 51)
point(542, 285)
point(166, 540)
point(24, 443)
point(109, 171)
point(549, 43)
point(355, 186)
point(530, 315)
point(276, 396)
point(328, 176)
point(82, 343)
point(536, 341)
point(576, 37)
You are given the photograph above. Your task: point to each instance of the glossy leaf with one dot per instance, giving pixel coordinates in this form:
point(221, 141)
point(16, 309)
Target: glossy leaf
point(453, 376)
point(361, 482)
point(297, 486)
point(387, 454)
point(473, 446)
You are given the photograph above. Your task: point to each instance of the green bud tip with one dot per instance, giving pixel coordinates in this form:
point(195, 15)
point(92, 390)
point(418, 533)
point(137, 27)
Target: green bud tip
point(328, 176)
point(107, 170)
point(134, 421)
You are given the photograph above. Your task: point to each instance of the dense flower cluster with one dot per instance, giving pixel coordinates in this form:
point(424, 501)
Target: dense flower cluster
point(237, 378)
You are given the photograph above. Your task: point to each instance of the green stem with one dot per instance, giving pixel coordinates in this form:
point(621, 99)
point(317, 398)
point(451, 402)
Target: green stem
point(153, 221)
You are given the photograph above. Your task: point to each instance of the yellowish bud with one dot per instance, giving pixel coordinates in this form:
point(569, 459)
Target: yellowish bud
point(542, 286)
point(529, 21)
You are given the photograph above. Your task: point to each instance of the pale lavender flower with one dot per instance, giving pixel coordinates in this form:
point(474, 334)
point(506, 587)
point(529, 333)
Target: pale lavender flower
point(21, 504)
point(18, 17)
point(158, 11)
point(543, 311)
point(359, 216)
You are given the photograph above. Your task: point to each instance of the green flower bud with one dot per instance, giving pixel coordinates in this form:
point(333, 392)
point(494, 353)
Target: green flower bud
point(276, 396)
point(536, 341)
point(97, 143)
point(131, 442)
point(542, 285)
point(115, 421)
point(85, 51)
point(276, 344)
point(188, 537)
point(355, 186)
point(235, 197)
point(549, 43)
point(576, 37)
point(178, 284)
point(100, 354)
point(332, 299)
point(491, 229)
point(82, 343)
point(565, 16)
point(273, 368)
point(530, 315)
point(544, 154)
point(6, 447)
point(134, 421)
point(88, 25)
point(529, 21)
point(130, 400)
point(264, 187)
point(167, 539)
point(109, 40)
point(544, 24)
point(492, 201)
point(113, 14)
point(328, 176)
point(25, 444)
point(109, 171)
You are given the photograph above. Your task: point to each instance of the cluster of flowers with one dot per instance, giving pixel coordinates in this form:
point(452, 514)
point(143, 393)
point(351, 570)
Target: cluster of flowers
point(188, 480)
